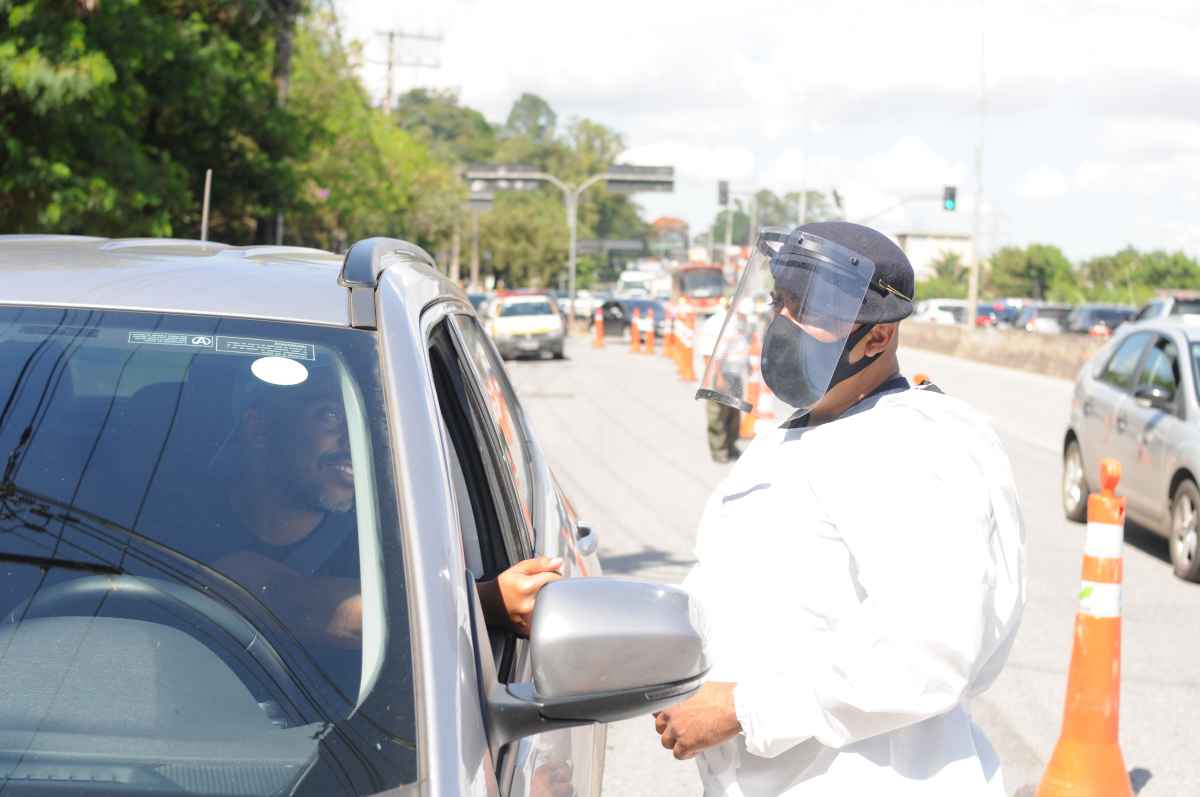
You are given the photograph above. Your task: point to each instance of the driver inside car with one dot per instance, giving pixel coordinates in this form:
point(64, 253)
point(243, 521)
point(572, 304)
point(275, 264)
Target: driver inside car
point(292, 503)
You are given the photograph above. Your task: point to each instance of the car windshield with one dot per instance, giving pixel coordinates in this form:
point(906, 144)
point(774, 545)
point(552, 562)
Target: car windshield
point(1186, 307)
point(703, 283)
point(189, 531)
point(511, 309)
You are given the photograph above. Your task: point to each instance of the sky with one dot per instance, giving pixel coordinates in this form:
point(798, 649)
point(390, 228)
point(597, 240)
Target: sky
point(1090, 124)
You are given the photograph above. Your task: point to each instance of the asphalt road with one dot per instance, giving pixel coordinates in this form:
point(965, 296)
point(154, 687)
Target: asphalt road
point(627, 442)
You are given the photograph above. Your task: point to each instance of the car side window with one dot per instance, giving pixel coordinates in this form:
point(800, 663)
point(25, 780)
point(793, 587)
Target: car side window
point(1119, 372)
point(1161, 368)
point(505, 413)
point(1149, 311)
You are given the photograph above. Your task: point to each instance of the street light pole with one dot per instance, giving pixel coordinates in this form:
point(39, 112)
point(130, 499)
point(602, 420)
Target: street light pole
point(977, 211)
point(571, 195)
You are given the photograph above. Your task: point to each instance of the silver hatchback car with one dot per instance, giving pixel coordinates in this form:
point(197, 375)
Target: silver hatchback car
point(249, 498)
point(1138, 401)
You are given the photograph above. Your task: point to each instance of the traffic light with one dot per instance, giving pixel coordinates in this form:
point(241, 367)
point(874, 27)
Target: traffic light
point(949, 198)
point(722, 192)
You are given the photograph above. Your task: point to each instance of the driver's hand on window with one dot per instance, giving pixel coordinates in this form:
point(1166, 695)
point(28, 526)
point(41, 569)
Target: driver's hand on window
point(508, 601)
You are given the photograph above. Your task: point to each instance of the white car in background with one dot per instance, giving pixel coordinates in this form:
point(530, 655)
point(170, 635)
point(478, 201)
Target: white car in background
point(941, 311)
point(526, 324)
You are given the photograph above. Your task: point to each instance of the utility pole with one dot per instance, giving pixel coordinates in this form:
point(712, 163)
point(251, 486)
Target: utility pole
point(977, 211)
point(394, 60)
point(728, 229)
point(474, 284)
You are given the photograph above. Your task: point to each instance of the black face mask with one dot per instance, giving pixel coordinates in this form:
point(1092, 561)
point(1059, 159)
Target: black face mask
point(792, 359)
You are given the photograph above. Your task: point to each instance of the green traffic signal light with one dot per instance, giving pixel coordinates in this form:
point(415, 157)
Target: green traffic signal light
point(949, 198)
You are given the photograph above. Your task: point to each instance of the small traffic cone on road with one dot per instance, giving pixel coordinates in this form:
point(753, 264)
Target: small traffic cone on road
point(753, 389)
point(598, 329)
point(688, 373)
point(1087, 760)
point(635, 344)
point(668, 348)
point(648, 347)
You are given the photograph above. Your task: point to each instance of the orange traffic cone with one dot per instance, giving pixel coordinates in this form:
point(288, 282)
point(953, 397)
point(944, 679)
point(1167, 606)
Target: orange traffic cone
point(1087, 760)
point(598, 329)
point(635, 345)
point(648, 347)
point(753, 389)
point(689, 330)
point(668, 348)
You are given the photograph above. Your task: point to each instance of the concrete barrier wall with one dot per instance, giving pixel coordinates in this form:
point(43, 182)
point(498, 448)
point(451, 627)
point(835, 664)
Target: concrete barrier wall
point(1054, 355)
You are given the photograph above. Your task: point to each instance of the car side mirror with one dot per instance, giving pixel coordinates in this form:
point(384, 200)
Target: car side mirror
point(1154, 396)
point(603, 649)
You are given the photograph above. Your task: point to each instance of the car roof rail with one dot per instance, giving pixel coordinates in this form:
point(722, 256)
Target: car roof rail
point(361, 269)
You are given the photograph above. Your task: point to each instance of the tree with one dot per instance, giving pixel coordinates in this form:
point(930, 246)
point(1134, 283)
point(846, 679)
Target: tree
point(532, 117)
point(1032, 271)
point(771, 210)
point(364, 176)
point(112, 112)
point(949, 280)
point(452, 130)
point(525, 237)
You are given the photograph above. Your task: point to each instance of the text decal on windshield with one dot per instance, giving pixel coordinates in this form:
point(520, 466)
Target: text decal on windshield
point(189, 339)
point(257, 347)
point(225, 344)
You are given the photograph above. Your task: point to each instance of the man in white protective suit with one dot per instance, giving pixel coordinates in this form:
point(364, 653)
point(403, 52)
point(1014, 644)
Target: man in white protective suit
point(862, 566)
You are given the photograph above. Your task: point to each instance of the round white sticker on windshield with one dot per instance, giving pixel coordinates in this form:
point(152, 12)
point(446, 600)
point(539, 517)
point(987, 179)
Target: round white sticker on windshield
point(279, 371)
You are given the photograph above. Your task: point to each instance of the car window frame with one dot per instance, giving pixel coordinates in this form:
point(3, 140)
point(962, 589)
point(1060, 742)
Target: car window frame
point(1147, 337)
point(1144, 362)
point(524, 438)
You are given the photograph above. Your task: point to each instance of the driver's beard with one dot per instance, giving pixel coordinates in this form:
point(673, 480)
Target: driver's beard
point(315, 497)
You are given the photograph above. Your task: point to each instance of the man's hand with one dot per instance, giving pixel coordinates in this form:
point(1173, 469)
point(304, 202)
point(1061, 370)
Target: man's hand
point(509, 600)
point(704, 720)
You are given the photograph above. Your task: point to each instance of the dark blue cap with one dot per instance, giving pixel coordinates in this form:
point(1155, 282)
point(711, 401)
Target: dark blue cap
point(890, 296)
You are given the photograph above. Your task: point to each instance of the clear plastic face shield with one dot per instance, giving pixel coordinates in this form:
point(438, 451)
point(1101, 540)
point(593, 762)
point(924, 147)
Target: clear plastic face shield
point(794, 309)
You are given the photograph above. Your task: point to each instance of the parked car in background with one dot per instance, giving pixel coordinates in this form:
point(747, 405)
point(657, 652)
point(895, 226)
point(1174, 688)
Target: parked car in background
point(1180, 304)
point(171, 403)
point(1138, 401)
point(618, 314)
point(1097, 320)
point(477, 300)
point(985, 315)
point(1043, 317)
point(586, 303)
point(525, 323)
point(941, 311)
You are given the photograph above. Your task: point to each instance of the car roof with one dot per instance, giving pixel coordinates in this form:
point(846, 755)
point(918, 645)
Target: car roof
point(286, 283)
point(1179, 324)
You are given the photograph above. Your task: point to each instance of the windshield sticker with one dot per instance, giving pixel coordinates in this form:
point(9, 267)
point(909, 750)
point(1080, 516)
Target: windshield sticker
point(279, 371)
point(258, 347)
point(191, 340)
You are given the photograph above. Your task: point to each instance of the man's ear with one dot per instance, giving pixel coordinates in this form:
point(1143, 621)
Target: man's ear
point(880, 339)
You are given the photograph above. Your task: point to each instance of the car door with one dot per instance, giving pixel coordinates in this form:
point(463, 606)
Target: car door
point(1153, 432)
point(540, 764)
point(1103, 405)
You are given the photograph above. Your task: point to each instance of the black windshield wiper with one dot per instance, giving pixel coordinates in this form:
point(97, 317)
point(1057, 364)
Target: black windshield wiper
point(64, 564)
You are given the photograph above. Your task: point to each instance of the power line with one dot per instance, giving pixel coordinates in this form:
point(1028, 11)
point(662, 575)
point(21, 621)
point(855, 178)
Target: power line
point(395, 61)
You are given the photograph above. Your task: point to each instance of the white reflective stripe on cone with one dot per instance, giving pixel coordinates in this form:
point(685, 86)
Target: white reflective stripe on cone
point(1100, 599)
point(1104, 540)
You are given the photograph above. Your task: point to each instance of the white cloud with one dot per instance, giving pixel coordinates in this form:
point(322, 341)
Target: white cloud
point(1041, 184)
point(1091, 102)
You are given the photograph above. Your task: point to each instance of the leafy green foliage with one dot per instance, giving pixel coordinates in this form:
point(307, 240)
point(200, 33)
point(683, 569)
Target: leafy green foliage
point(363, 174)
point(1038, 271)
point(949, 280)
point(455, 132)
point(111, 116)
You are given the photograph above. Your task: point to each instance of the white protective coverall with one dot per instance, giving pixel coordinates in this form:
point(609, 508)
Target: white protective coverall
point(862, 580)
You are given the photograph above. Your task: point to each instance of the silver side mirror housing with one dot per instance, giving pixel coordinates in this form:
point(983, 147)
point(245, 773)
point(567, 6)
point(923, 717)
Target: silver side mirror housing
point(603, 649)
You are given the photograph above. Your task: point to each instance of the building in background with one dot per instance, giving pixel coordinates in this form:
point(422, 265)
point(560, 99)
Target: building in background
point(924, 248)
